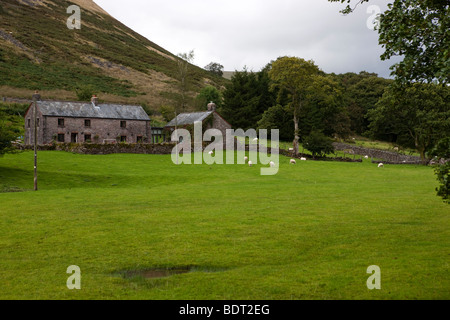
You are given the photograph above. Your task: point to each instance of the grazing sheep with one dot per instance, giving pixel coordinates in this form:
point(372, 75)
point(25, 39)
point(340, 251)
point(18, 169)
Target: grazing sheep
point(245, 159)
point(396, 149)
point(272, 164)
point(303, 159)
point(293, 161)
point(211, 152)
point(366, 157)
point(250, 163)
point(380, 165)
point(291, 149)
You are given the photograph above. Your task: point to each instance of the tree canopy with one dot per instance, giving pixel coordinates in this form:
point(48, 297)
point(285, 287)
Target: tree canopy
point(414, 116)
point(418, 31)
point(215, 68)
point(246, 98)
point(206, 95)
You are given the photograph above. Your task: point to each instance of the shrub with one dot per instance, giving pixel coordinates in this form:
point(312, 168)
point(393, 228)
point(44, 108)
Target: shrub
point(318, 144)
point(442, 171)
point(84, 93)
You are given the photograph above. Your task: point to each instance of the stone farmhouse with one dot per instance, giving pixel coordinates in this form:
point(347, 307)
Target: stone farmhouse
point(210, 120)
point(80, 122)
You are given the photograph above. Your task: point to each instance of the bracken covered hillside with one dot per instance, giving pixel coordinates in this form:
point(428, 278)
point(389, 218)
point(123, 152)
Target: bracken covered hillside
point(38, 51)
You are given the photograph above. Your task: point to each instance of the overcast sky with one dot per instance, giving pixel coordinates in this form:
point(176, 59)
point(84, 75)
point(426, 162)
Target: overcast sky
point(251, 33)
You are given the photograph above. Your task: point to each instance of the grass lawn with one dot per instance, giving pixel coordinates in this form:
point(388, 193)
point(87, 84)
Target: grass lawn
point(309, 232)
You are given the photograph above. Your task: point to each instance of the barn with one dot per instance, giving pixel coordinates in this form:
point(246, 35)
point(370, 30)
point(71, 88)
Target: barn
point(210, 119)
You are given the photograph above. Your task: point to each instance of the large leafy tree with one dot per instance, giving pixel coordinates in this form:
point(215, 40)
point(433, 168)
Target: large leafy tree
point(277, 117)
point(293, 76)
point(361, 92)
point(324, 109)
point(418, 31)
point(413, 116)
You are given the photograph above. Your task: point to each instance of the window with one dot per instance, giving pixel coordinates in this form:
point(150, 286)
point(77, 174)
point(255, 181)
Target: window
point(29, 123)
point(87, 138)
point(60, 122)
point(123, 124)
point(139, 139)
point(37, 122)
point(123, 138)
point(87, 123)
point(61, 137)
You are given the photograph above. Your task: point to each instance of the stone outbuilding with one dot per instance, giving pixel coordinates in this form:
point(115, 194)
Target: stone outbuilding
point(79, 122)
point(210, 119)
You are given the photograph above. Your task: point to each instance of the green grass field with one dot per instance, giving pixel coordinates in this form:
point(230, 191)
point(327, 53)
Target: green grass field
point(309, 232)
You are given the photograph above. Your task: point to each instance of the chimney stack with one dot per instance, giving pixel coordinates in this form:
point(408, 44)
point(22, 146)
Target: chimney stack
point(94, 100)
point(212, 106)
point(36, 96)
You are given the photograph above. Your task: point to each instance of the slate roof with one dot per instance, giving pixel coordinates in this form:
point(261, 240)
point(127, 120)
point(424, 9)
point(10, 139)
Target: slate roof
point(88, 110)
point(189, 118)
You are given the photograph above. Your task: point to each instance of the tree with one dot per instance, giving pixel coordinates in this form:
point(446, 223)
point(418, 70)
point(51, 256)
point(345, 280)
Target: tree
point(183, 61)
point(277, 117)
point(7, 135)
point(84, 92)
point(360, 93)
point(215, 68)
point(442, 150)
point(293, 75)
point(11, 125)
point(417, 30)
point(318, 144)
point(206, 95)
point(246, 97)
point(413, 116)
point(167, 112)
point(324, 108)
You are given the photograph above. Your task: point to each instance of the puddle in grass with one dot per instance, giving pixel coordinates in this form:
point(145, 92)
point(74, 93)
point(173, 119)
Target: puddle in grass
point(164, 273)
point(155, 273)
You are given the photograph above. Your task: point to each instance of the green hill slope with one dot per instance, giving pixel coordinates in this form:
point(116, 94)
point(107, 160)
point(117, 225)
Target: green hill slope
point(39, 51)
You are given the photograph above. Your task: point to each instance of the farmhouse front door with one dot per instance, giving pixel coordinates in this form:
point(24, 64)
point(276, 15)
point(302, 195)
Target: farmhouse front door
point(74, 137)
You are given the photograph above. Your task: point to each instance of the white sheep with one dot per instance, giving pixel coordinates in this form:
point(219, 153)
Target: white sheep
point(303, 159)
point(293, 161)
point(272, 164)
point(396, 149)
point(366, 157)
point(291, 149)
point(380, 165)
point(211, 152)
point(250, 163)
point(245, 159)
point(256, 139)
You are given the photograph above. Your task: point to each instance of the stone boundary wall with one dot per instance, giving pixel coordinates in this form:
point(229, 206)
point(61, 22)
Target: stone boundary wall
point(90, 148)
point(166, 148)
point(388, 157)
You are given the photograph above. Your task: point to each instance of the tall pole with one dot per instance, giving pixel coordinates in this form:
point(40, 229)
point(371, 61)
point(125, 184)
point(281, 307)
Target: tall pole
point(36, 97)
point(176, 125)
point(35, 144)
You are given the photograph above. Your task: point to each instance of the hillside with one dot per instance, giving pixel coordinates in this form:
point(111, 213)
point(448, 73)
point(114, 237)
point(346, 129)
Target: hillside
point(38, 51)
